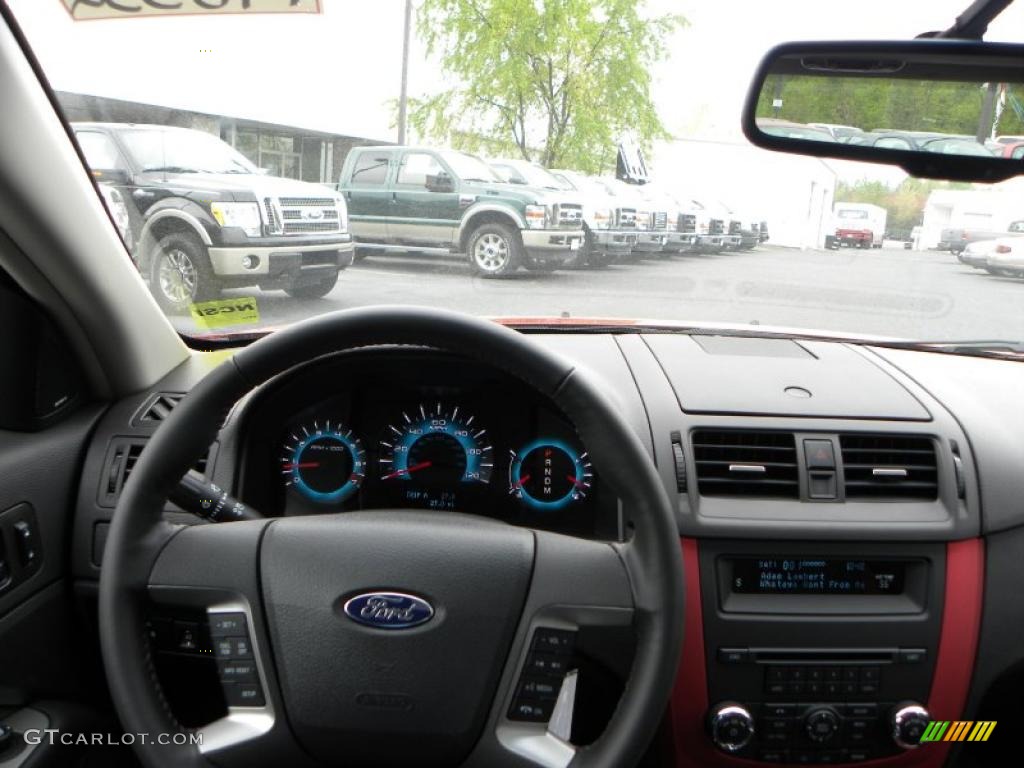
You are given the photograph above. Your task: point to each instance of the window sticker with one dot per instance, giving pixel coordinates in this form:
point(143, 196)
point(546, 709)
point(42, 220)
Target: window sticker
point(224, 312)
point(82, 10)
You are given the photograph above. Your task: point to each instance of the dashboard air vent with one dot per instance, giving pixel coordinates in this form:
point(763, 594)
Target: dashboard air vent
point(157, 408)
point(735, 463)
point(122, 455)
point(889, 466)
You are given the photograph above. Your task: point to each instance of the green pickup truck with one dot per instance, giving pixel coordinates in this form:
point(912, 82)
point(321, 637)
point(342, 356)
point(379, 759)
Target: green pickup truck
point(440, 200)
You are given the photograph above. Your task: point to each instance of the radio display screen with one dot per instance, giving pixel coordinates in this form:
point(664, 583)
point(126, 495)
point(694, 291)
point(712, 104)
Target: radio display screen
point(817, 576)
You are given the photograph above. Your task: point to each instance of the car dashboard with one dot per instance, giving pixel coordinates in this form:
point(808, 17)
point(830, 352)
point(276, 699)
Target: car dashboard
point(840, 566)
point(392, 429)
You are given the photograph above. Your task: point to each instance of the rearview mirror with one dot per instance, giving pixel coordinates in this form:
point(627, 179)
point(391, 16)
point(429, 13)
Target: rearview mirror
point(949, 109)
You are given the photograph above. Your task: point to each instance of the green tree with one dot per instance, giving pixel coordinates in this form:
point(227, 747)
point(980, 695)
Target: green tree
point(554, 81)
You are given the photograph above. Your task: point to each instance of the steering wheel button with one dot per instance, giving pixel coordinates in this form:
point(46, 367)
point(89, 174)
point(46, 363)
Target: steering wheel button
point(227, 624)
point(553, 640)
point(238, 671)
point(546, 664)
point(531, 710)
point(243, 695)
point(232, 647)
point(186, 635)
point(539, 688)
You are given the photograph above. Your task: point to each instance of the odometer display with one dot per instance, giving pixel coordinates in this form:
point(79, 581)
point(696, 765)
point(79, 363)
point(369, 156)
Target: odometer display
point(436, 449)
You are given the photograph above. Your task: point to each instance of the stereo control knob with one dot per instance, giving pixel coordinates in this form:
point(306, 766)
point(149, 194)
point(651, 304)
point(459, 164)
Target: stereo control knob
point(909, 721)
point(821, 725)
point(731, 726)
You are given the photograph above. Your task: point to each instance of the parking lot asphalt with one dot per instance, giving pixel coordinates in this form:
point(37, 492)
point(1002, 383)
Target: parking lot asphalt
point(899, 293)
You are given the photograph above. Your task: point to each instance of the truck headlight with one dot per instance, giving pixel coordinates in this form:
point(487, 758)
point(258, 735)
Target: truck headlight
point(245, 216)
point(536, 216)
point(603, 218)
point(704, 226)
point(643, 219)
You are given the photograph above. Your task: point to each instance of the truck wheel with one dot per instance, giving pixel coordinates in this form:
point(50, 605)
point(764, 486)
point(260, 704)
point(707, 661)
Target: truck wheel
point(180, 273)
point(316, 290)
point(495, 250)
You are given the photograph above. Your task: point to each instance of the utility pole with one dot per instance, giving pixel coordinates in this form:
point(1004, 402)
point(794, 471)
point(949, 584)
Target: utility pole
point(403, 97)
point(987, 113)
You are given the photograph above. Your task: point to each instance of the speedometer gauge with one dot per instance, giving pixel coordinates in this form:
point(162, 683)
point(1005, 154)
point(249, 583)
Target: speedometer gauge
point(436, 448)
point(325, 463)
point(549, 474)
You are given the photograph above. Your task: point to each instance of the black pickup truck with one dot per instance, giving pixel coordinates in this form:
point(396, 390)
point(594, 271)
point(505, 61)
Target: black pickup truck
point(202, 217)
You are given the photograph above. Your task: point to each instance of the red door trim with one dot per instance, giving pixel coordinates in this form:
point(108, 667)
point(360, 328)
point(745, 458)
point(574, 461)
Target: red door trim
point(958, 644)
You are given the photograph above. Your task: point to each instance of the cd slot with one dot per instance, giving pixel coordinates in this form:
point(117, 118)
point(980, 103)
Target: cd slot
point(823, 655)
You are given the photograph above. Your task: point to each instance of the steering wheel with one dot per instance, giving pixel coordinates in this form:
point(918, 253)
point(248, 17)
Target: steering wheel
point(460, 608)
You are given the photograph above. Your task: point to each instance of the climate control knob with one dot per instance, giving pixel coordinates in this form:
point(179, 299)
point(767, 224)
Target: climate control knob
point(909, 721)
point(731, 726)
point(821, 725)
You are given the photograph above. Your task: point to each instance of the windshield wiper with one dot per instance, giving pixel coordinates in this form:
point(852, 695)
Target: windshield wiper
point(170, 169)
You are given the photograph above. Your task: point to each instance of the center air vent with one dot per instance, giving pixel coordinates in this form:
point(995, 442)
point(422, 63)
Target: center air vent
point(157, 408)
point(889, 466)
point(734, 463)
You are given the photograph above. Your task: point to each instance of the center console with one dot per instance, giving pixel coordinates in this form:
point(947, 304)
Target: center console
point(811, 653)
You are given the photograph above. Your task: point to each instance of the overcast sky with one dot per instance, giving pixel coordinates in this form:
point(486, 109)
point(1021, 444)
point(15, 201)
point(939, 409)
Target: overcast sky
point(340, 71)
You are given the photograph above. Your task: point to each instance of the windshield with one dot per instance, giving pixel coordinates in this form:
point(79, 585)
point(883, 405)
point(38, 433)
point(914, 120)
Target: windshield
point(527, 173)
point(327, 155)
point(470, 168)
point(184, 151)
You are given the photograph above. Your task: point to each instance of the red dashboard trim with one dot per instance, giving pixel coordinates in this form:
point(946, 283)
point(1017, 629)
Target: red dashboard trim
point(958, 643)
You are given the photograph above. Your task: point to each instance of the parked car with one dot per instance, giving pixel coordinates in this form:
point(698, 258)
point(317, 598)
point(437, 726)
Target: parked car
point(1005, 257)
point(956, 239)
point(1013, 150)
point(732, 225)
point(788, 129)
point(763, 232)
point(202, 217)
point(859, 225)
point(610, 227)
point(649, 238)
point(976, 254)
point(667, 216)
point(441, 200)
point(840, 133)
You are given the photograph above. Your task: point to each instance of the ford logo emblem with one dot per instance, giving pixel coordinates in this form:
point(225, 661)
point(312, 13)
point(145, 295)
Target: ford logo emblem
point(312, 214)
point(388, 610)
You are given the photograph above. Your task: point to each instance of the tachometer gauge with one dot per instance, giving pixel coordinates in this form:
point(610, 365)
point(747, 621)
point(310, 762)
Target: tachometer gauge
point(548, 475)
point(436, 448)
point(325, 462)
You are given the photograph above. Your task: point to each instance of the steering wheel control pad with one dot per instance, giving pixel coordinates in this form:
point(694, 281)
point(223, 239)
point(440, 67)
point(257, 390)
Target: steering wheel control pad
point(416, 691)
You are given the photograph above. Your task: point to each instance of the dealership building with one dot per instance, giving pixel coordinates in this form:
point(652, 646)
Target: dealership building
point(284, 150)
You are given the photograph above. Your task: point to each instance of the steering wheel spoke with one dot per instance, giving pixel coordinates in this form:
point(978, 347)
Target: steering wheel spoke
point(577, 585)
point(214, 569)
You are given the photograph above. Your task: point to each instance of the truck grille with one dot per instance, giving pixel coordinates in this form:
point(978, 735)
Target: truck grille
point(717, 227)
point(660, 219)
point(302, 215)
point(625, 218)
point(734, 227)
point(687, 222)
point(568, 216)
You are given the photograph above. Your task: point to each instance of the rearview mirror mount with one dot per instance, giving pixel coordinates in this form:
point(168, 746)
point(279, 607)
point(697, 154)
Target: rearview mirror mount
point(934, 107)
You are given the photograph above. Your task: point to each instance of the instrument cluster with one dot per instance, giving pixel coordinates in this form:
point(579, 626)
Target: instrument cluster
point(425, 432)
